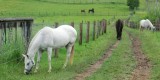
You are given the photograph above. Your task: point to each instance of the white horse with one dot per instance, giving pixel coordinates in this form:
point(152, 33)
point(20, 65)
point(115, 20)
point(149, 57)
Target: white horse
point(146, 24)
point(48, 38)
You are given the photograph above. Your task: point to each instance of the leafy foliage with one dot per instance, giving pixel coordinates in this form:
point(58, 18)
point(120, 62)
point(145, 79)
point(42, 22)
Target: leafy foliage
point(133, 4)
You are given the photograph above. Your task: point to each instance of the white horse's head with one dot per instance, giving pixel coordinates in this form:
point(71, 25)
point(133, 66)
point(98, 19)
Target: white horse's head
point(29, 63)
point(153, 28)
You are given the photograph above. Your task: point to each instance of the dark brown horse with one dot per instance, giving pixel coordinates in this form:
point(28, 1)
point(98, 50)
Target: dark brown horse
point(91, 10)
point(83, 11)
point(119, 27)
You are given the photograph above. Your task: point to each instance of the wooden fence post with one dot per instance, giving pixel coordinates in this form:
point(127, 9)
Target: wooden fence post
point(16, 26)
point(56, 50)
point(97, 31)
point(87, 35)
point(80, 34)
point(5, 32)
point(56, 24)
point(105, 26)
point(72, 24)
point(102, 26)
point(94, 28)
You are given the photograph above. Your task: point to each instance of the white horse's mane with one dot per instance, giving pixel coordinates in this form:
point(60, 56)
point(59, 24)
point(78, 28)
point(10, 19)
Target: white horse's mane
point(150, 24)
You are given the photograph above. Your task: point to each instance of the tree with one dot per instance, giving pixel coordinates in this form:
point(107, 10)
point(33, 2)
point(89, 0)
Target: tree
point(133, 4)
point(136, 4)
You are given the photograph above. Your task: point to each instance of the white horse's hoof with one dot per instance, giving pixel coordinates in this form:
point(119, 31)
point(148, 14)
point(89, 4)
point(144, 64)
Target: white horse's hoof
point(35, 71)
point(64, 67)
point(49, 71)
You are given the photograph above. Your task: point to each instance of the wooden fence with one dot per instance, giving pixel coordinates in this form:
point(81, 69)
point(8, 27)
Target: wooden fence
point(7, 25)
point(157, 24)
point(87, 31)
point(136, 25)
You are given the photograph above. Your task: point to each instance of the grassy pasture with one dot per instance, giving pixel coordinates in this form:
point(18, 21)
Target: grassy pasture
point(84, 55)
point(57, 11)
point(46, 13)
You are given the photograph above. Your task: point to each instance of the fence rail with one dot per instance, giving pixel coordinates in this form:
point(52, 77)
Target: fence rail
point(87, 31)
point(135, 25)
point(6, 29)
point(75, 13)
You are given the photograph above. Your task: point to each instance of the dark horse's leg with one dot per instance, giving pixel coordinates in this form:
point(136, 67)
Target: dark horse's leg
point(117, 32)
point(120, 33)
point(121, 27)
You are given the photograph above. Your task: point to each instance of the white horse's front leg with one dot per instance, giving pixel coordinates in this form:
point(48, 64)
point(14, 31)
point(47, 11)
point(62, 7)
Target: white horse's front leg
point(49, 58)
point(69, 48)
point(38, 60)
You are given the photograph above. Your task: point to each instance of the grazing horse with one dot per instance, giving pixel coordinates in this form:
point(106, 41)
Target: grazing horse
point(46, 39)
point(91, 10)
point(119, 27)
point(83, 11)
point(146, 24)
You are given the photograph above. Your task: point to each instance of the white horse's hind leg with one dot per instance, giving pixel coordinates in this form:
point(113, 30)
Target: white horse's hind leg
point(38, 60)
point(49, 58)
point(69, 48)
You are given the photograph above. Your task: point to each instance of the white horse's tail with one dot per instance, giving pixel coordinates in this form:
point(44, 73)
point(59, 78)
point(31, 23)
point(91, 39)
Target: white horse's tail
point(72, 55)
point(140, 27)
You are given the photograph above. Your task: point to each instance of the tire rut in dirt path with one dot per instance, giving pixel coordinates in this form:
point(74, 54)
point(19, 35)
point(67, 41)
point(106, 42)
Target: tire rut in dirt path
point(93, 67)
point(142, 70)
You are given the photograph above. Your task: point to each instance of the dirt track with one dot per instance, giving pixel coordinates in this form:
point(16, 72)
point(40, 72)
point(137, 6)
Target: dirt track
point(142, 70)
point(93, 68)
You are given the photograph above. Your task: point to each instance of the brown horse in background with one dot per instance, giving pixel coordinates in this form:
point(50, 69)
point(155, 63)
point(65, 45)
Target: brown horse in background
point(83, 11)
point(119, 27)
point(91, 10)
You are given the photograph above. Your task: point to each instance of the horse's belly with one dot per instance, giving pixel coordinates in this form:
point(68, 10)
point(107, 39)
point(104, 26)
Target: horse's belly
point(60, 43)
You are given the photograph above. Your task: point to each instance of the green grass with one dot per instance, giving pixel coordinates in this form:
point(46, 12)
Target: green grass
point(120, 65)
point(64, 13)
point(150, 46)
point(56, 11)
point(84, 55)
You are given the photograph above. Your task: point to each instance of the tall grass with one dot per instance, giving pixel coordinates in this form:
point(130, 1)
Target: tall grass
point(46, 14)
point(153, 9)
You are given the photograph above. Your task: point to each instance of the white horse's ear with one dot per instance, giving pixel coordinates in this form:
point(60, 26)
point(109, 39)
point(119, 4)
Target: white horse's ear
point(23, 55)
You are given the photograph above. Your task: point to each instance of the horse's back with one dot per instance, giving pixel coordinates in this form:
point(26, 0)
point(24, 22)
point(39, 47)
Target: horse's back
point(69, 29)
point(143, 23)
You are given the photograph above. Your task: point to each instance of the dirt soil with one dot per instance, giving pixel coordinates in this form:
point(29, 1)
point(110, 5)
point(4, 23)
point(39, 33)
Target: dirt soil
point(142, 69)
point(93, 67)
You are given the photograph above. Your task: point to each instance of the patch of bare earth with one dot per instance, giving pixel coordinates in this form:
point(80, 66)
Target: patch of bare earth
point(142, 70)
point(93, 67)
